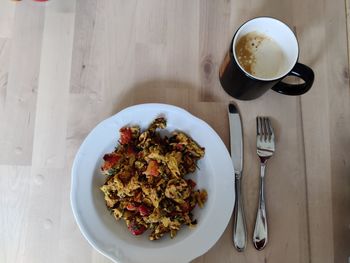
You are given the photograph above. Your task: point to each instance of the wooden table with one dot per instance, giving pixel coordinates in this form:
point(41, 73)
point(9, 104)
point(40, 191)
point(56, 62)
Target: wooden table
point(67, 65)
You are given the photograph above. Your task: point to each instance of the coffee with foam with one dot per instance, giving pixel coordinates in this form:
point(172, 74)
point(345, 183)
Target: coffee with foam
point(260, 55)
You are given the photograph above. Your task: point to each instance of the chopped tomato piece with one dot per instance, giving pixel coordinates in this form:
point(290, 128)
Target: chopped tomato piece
point(179, 146)
point(152, 168)
point(110, 159)
point(131, 207)
point(136, 229)
point(144, 211)
point(125, 135)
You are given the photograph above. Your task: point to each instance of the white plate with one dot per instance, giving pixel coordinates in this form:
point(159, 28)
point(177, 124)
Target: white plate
point(112, 238)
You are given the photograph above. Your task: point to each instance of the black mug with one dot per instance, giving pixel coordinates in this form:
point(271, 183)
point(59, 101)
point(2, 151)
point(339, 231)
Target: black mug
point(263, 51)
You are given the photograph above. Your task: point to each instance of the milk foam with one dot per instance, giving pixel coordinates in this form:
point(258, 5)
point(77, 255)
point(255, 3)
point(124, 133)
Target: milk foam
point(260, 55)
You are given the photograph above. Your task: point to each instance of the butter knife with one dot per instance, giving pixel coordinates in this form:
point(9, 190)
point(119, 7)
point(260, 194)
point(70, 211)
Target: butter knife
point(236, 141)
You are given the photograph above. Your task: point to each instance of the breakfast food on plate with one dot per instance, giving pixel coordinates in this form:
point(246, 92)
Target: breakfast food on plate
point(146, 184)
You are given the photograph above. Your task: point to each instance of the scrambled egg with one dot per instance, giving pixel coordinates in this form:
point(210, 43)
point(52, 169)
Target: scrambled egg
point(146, 184)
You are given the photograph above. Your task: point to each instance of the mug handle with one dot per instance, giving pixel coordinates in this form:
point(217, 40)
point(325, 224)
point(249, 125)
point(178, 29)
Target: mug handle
point(301, 71)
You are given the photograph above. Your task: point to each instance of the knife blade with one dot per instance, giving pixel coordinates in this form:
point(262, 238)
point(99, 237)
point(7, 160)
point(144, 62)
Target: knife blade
point(236, 142)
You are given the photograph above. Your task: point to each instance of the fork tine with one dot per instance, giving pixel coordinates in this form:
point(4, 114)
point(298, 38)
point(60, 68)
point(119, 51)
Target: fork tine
point(261, 131)
point(258, 126)
point(267, 129)
point(266, 132)
point(271, 132)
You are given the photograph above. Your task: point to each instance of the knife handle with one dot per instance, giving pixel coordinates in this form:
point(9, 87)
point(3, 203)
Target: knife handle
point(239, 226)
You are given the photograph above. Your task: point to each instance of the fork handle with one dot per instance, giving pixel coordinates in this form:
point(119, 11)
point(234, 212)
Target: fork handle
point(260, 231)
point(239, 226)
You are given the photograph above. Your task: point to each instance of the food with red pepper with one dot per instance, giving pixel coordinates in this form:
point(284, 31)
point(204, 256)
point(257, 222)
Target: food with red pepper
point(146, 183)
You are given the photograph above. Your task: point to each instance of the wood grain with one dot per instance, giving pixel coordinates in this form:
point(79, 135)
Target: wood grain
point(66, 65)
point(19, 90)
point(339, 116)
point(49, 148)
point(14, 191)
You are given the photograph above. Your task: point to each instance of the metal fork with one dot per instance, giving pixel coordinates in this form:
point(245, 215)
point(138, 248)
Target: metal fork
point(265, 144)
